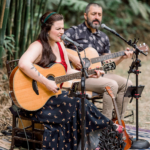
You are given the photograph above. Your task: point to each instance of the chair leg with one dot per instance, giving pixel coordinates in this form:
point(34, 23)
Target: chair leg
point(13, 133)
point(33, 136)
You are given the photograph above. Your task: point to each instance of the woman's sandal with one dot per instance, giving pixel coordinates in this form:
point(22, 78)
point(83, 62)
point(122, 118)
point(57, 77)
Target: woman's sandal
point(116, 127)
point(119, 128)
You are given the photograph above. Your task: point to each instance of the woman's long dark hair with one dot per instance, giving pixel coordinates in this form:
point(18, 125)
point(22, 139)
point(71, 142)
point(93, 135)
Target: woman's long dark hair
point(47, 53)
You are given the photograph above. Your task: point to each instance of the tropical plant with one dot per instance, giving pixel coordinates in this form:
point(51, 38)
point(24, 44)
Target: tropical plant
point(128, 17)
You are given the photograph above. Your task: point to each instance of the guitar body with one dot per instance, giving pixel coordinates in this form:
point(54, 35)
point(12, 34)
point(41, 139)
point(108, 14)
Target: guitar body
point(32, 95)
point(93, 59)
point(127, 140)
point(28, 95)
point(90, 53)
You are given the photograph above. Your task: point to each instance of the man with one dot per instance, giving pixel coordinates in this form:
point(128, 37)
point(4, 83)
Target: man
point(88, 35)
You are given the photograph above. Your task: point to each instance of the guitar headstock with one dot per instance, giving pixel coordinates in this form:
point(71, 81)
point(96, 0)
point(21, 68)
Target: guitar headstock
point(109, 66)
point(143, 47)
point(109, 91)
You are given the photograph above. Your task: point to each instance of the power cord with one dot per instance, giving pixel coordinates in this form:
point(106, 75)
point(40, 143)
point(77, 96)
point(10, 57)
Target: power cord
point(125, 90)
point(15, 108)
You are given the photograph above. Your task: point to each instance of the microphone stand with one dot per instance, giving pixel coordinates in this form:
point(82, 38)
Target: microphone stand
point(83, 114)
point(138, 143)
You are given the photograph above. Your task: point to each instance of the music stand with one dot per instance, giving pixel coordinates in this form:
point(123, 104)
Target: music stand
point(131, 92)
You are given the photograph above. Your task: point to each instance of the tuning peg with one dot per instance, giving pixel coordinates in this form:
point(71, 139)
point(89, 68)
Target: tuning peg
point(140, 45)
point(144, 44)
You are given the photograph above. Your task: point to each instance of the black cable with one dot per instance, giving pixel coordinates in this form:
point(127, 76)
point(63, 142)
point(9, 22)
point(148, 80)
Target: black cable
point(16, 108)
point(124, 93)
point(23, 129)
point(125, 90)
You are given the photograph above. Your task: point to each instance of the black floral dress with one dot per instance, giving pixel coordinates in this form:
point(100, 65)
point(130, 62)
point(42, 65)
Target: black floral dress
point(61, 117)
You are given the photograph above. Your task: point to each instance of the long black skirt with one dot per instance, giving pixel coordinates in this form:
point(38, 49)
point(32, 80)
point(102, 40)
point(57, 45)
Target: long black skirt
point(61, 117)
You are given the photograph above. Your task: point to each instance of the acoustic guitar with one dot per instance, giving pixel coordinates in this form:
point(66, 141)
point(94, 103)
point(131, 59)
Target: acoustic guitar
point(92, 58)
point(32, 95)
point(119, 121)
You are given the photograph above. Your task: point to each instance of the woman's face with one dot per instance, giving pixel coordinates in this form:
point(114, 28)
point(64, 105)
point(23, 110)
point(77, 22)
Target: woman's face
point(57, 30)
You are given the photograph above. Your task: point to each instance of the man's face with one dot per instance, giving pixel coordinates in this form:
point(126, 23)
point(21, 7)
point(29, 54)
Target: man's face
point(94, 17)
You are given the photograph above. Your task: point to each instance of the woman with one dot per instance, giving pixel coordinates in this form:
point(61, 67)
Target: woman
point(61, 116)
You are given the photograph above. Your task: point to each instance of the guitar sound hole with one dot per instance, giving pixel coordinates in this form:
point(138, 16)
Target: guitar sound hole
point(50, 78)
point(87, 62)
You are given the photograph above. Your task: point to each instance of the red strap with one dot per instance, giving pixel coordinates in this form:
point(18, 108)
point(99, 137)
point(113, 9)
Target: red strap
point(39, 41)
point(63, 62)
point(61, 51)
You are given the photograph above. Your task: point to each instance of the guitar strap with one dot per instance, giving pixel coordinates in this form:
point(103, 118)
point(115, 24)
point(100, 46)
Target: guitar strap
point(51, 64)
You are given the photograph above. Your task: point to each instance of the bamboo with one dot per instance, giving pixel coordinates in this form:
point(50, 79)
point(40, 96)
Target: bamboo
point(15, 17)
point(59, 6)
point(28, 39)
point(44, 9)
point(22, 24)
point(10, 23)
point(17, 31)
point(23, 45)
point(11, 17)
point(37, 20)
point(35, 6)
point(31, 21)
point(2, 12)
point(3, 29)
point(2, 6)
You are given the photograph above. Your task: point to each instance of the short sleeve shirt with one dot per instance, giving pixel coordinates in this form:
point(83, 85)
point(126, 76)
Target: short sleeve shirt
point(83, 35)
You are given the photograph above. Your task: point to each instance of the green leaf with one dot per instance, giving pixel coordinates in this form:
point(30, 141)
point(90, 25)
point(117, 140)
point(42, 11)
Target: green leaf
point(134, 4)
point(4, 77)
point(143, 11)
point(10, 50)
point(10, 45)
point(101, 3)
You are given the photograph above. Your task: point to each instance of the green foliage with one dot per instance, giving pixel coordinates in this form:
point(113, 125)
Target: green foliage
point(127, 17)
point(130, 18)
point(9, 44)
point(139, 8)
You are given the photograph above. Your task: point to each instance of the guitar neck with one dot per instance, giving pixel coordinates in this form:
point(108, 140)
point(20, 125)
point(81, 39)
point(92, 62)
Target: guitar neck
point(116, 110)
point(77, 75)
point(109, 91)
point(109, 56)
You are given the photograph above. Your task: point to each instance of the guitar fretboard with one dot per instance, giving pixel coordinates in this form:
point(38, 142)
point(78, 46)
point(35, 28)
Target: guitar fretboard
point(77, 75)
point(105, 57)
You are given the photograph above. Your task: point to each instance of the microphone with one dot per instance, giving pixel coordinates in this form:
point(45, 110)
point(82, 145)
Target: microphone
point(65, 38)
point(109, 29)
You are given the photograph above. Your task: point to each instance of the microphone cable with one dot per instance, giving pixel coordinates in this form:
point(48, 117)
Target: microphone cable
point(24, 130)
point(16, 108)
point(125, 89)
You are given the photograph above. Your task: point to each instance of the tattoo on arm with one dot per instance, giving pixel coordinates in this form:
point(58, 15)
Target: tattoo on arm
point(36, 70)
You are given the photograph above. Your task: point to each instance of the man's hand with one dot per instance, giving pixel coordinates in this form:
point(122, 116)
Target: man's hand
point(76, 62)
point(51, 85)
point(128, 53)
point(98, 74)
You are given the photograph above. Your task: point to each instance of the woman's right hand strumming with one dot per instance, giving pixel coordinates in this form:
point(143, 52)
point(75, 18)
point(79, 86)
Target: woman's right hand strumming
point(51, 85)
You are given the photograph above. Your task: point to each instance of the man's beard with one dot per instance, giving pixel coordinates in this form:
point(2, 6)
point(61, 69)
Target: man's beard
point(90, 23)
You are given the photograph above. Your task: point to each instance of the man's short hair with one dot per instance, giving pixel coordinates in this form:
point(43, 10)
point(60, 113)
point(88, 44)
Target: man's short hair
point(91, 4)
